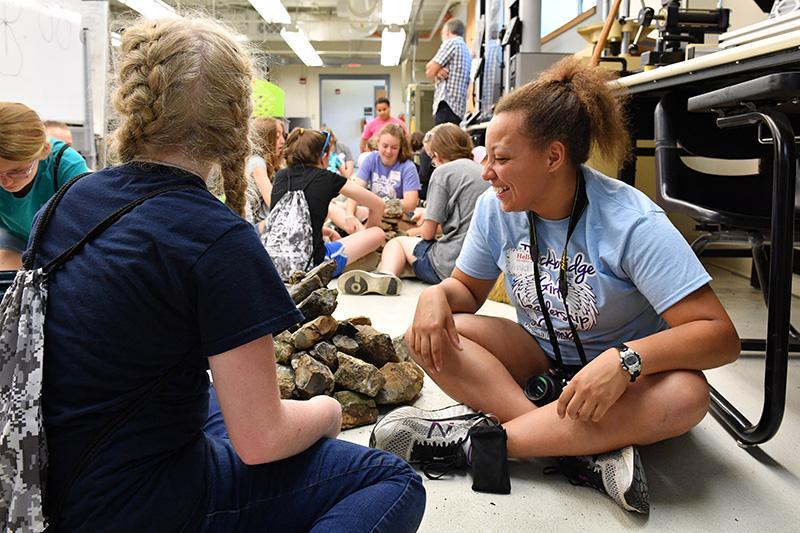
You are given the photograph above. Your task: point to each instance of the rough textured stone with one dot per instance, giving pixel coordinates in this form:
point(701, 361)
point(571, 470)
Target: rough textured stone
point(318, 329)
point(320, 302)
point(325, 353)
point(300, 290)
point(401, 349)
point(286, 381)
point(296, 276)
point(393, 209)
point(356, 375)
point(283, 351)
point(375, 347)
point(312, 377)
point(283, 336)
point(360, 321)
point(357, 409)
point(403, 383)
point(324, 270)
point(346, 344)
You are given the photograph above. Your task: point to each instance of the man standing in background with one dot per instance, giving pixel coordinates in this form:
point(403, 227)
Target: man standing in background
point(449, 69)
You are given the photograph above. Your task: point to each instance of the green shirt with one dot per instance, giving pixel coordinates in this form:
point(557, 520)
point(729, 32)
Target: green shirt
point(16, 214)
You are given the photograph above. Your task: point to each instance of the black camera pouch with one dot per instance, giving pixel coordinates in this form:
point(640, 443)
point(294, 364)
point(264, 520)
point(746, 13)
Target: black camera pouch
point(489, 460)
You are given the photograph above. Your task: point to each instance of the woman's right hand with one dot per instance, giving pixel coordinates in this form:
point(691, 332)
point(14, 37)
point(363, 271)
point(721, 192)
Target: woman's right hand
point(433, 330)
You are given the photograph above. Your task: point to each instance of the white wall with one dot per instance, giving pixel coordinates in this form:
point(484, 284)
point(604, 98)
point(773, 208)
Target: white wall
point(343, 112)
point(303, 100)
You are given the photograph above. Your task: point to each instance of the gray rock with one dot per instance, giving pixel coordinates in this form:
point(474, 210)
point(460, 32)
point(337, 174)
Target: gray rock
point(283, 352)
point(286, 381)
point(283, 336)
point(300, 290)
point(375, 347)
point(356, 375)
point(403, 383)
point(401, 349)
point(295, 277)
point(311, 377)
point(393, 209)
point(345, 344)
point(357, 409)
point(325, 353)
point(324, 270)
point(320, 302)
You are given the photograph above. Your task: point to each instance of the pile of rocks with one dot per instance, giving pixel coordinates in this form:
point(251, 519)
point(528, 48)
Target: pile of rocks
point(347, 359)
point(394, 222)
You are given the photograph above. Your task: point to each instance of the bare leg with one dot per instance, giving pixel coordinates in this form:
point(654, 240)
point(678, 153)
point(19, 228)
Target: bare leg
point(360, 244)
point(498, 357)
point(10, 259)
point(398, 253)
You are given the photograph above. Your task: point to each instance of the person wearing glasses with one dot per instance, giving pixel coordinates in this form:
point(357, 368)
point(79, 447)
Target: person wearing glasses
point(307, 152)
point(32, 169)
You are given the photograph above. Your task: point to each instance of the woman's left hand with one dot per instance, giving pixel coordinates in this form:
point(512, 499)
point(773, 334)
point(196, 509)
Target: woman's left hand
point(594, 389)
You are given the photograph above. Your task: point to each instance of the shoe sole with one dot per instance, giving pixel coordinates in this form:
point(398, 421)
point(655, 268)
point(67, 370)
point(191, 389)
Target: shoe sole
point(636, 498)
point(357, 282)
point(452, 412)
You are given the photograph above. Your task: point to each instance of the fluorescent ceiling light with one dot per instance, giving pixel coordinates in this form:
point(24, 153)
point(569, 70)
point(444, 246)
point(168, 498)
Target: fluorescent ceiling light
point(392, 46)
point(396, 11)
point(272, 11)
point(153, 9)
point(298, 42)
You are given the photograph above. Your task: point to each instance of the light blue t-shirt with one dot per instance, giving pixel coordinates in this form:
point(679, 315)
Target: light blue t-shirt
point(388, 182)
point(627, 263)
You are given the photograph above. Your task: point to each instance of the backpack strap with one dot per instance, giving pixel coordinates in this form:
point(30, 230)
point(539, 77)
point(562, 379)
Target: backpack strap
point(59, 155)
point(67, 254)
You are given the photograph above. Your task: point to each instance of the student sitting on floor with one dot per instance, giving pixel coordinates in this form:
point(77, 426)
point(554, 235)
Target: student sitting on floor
point(178, 286)
point(389, 172)
point(294, 232)
point(268, 140)
point(615, 316)
point(32, 169)
point(455, 186)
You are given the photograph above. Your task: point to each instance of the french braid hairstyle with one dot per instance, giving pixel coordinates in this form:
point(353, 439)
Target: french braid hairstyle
point(574, 104)
point(184, 85)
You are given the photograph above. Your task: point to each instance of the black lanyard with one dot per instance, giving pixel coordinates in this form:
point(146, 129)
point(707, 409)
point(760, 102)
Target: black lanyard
point(578, 205)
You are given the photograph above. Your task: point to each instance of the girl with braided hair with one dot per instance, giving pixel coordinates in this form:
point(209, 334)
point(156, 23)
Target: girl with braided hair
point(178, 286)
point(615, 316)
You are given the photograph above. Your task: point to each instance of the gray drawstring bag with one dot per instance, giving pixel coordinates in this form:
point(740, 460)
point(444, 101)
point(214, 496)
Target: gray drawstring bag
point(23, 444)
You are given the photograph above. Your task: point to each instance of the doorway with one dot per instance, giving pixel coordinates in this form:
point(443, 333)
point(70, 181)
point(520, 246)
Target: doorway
point(347, 101)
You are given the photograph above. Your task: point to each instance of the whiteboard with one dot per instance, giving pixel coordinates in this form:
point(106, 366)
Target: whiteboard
point(41, 59)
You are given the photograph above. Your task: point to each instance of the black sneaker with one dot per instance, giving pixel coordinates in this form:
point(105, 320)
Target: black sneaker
point(432, 439)
point(619, 474)
point(361, 282)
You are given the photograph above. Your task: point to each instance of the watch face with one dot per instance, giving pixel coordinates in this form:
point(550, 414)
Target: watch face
point(631, 361)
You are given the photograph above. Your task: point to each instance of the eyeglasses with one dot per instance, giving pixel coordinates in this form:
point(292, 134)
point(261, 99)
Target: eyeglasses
point(327, 135)
point(19, 174)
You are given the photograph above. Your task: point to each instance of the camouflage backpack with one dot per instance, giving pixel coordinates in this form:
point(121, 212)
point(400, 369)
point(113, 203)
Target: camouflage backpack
point(23, 446)
point(288, 236)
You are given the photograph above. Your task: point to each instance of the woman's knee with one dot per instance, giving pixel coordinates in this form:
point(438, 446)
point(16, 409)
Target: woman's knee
point(688, 398)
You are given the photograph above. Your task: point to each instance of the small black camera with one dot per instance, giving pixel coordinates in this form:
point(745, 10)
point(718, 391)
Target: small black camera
point(545, 388)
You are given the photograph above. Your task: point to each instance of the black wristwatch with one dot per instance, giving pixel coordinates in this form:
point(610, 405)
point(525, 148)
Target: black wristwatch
point(630, 361)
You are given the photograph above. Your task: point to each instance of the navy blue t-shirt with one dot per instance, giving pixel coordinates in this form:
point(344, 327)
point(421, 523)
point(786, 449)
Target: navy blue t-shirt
point(181, 274)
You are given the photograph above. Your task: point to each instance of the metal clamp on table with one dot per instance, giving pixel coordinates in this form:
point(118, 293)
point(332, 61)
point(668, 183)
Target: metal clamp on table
point(762, 103)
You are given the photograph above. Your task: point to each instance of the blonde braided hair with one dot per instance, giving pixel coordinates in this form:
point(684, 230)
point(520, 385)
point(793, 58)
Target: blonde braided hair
point(184, 85)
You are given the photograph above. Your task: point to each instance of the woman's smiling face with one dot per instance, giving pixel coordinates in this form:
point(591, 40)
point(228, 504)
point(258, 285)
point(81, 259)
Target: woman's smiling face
point(516, 170)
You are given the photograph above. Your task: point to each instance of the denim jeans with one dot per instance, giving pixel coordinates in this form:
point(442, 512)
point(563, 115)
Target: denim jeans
point(423, 268)
point(332, 486)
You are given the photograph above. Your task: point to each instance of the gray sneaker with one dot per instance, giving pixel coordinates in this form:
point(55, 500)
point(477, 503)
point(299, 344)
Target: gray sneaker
point(361, 282)
point(619, 474)
point(428, 438)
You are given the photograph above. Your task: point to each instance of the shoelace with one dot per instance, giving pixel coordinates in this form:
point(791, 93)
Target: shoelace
point(573, 470)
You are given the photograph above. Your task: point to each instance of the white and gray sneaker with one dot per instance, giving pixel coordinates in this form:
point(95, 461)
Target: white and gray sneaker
point(619, 474)
point(429, 438)
point(361, 282)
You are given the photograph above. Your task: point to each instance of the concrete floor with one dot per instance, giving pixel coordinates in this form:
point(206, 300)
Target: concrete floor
point(701, 481)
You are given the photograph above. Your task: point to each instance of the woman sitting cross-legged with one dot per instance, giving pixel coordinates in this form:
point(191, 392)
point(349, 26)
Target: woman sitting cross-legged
point(615, 316)
point(454, 188)
point(294, 232)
